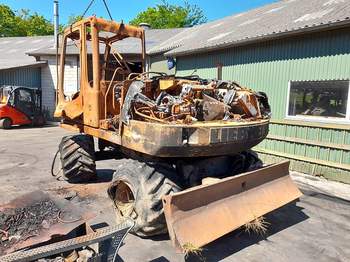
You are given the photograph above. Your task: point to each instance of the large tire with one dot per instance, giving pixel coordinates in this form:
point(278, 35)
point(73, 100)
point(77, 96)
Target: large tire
point(77, 156)
point(252, 161)
point(5, 123)
point(137, 191)
point(194, 171)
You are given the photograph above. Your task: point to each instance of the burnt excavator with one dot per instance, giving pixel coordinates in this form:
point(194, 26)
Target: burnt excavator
point(183, 144)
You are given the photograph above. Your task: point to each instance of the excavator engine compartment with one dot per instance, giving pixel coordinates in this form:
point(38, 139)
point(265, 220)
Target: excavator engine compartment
point(185, 100)
point(168, 116)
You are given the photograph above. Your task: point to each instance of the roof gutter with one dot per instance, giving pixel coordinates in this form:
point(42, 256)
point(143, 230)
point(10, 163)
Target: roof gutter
point(262, 38)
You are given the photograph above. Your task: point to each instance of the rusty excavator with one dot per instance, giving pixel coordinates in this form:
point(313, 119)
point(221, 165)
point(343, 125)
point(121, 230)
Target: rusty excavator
point(183, 143)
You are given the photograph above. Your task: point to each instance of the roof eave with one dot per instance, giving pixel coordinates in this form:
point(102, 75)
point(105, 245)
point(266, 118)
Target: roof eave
point(262, 38)
point(69, 54)
point(36, 64)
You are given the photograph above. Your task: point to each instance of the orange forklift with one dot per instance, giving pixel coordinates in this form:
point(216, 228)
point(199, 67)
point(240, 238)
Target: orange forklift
point(20, 106)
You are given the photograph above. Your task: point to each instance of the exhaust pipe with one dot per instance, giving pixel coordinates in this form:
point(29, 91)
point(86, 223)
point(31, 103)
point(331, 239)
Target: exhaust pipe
point(55, 21)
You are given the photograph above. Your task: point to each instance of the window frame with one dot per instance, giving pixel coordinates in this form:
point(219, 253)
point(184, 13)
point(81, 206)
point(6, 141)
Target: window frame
point(319, 119)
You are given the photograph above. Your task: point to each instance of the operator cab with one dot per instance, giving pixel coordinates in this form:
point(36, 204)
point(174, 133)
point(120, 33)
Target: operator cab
point(100, 54)
point(102, 69)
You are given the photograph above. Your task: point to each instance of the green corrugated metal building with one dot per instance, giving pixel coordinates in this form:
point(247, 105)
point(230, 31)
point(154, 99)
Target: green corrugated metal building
point(300, 58)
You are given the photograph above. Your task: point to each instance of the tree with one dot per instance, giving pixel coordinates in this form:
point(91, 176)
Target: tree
point(165, 15)
point(24, 23)
point(7, 21)
point(34, 24)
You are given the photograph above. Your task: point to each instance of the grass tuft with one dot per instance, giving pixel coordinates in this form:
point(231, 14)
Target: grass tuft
point(258, 226)
point(191, 249)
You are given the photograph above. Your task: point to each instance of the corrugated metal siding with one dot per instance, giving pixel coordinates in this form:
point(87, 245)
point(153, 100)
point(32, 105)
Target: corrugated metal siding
point(269, 67)
point(158, 63)
point(314, 150)
point(30, 77)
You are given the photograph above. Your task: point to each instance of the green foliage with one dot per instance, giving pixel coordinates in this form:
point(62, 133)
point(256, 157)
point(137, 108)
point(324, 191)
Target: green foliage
point(73, 18)
point(7, 21)
point(35, 24)
point(165, 15)
point(24, 23)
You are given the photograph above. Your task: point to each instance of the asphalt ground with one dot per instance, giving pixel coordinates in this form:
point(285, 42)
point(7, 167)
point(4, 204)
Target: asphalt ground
point(315, 228)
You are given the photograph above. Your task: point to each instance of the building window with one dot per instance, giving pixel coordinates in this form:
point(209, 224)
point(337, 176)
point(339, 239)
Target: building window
point(319, 100)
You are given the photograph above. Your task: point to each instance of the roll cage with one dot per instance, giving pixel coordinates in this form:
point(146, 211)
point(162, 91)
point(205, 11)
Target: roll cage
point(101, 66)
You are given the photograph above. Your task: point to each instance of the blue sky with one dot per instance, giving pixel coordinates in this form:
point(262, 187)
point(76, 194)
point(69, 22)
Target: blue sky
point(126, 10)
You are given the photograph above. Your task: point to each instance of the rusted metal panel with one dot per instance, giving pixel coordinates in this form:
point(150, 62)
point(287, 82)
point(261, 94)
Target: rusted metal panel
point(200, 139)
point(202, 214)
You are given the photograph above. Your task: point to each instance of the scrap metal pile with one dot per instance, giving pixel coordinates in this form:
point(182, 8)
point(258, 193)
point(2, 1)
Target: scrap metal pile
point(19, 224)
point(42, 227)
point(181, 100)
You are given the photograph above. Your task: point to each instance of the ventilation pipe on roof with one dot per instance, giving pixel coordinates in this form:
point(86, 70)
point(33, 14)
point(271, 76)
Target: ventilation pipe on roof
point(145, 26)
point(55, 21)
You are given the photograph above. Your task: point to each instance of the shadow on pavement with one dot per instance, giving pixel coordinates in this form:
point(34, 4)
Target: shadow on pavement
point(103, 176)
point(32, 127)
point(160, 259)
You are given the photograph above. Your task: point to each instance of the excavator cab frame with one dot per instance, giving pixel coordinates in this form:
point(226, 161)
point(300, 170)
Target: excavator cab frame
point(91, 36)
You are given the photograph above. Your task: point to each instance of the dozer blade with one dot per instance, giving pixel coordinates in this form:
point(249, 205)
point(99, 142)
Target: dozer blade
point(202, 214)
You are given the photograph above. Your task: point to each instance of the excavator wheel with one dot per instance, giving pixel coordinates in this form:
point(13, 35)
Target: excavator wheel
point(137, 189)
point(5, 123)
point(77, 158)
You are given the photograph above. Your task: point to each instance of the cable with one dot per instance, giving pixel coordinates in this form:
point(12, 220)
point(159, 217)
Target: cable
point(53, 164)
point(87, 8)
point(66, 221)
point(57, 175)
point(109, 13)
point(105, 4)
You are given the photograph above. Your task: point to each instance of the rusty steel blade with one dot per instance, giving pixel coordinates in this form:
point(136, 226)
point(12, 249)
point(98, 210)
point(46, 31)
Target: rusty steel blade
point(202, 214)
